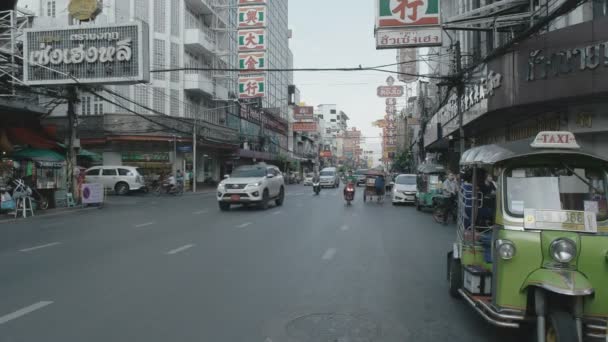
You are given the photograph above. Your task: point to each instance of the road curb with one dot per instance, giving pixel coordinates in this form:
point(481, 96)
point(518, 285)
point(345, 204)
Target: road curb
point(51, 214)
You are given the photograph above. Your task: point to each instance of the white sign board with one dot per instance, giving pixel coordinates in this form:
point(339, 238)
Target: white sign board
point(400, 38)
point(117, 53)
point(92, 193)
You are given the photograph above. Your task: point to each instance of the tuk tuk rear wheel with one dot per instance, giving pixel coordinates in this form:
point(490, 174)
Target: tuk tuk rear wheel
point(454, 276)
point(560, 327)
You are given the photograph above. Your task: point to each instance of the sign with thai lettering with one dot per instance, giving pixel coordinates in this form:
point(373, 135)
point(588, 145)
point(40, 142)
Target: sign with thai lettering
point(252, 61)
point(252, 86)
point(252, 16)
point(252, 40)
point(407, 13)
point(117, 53)
point(543, 65)
point(414, 38)
point(303, 113)
point(157, 157)
point(304, 126)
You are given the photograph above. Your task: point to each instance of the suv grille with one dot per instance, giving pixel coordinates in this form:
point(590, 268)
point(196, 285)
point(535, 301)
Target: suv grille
point(235, 186)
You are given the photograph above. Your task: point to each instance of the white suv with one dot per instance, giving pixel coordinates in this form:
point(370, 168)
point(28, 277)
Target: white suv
point(121, 179)
point(252, 184)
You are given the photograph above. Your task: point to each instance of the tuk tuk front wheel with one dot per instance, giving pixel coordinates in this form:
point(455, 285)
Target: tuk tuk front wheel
point(561, 327)
point(454, 275)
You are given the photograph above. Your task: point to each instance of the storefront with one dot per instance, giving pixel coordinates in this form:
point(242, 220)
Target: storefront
point(551, 82)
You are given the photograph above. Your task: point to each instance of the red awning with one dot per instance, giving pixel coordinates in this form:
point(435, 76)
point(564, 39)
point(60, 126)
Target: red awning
point(31, 137)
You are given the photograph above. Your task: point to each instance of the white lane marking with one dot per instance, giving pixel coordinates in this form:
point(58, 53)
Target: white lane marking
point(244, 225)
point(277, 213)
point(329, 254)
point(147, 224)
point(179, 250)
point(200, 212)
point(39, 247)
point(24, 311)
point(344, 228)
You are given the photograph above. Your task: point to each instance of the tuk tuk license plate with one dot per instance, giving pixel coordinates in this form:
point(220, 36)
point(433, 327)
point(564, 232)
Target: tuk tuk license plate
point(235, 198)
point(584, 221)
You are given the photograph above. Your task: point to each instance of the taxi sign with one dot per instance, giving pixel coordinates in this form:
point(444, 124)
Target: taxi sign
point(555, 140)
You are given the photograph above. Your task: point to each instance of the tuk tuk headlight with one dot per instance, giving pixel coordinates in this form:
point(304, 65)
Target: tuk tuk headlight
point(506, 249)
point(563, 250)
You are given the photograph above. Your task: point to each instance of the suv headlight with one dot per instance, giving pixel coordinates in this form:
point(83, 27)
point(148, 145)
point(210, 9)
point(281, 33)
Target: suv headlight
point(506, 249)
point(254, 185)
point(221, 187)
point(563, 250)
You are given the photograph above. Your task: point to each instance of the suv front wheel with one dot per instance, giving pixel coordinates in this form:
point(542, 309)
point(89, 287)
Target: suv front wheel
point(279, 201)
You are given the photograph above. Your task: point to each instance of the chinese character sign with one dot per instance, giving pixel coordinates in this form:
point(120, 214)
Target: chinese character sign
point(305, 126)
point(303, 113)
point(404, 13)
point(252, 16)
point(252, 40)
point(251, 2)
point(252, 87)
point(252, 61)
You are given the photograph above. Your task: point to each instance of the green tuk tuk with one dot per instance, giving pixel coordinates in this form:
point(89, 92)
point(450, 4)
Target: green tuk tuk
point(429, 181)
point(535, 249)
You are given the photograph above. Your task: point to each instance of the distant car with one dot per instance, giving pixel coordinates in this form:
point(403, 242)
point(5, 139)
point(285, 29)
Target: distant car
point(308, 179)
point(405, 188)
point(360, 174)
point(252, 184)
point(329, 177)
point(121, 179)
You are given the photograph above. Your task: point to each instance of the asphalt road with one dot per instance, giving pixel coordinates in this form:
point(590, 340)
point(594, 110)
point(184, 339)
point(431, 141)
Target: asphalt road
point(178, 269)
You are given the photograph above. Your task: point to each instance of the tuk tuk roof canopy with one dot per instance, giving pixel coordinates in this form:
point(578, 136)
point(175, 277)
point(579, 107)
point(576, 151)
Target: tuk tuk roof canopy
point(492, 154)
point(431, 168)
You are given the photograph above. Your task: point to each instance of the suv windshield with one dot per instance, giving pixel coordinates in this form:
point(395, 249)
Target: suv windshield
point(565, 187)
point(406, 180)
point(327, 173)
point(249, 172)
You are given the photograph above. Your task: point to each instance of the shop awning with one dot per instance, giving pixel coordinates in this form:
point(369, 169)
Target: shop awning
point(88, 154)
point(30, 137)
point(38, 155)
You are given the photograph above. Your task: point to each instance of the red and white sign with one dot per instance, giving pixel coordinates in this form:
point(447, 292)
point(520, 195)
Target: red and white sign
point(252, 61)
point(304, 126)
point(391, 101)
point(252, 40)
point(390, 91)
point(303, 113)
point(252, 16)
point(325, 154)
point(555, 140)
point(252, 87)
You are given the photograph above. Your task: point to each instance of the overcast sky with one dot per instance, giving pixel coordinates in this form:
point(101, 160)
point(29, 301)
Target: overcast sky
point(339, 33)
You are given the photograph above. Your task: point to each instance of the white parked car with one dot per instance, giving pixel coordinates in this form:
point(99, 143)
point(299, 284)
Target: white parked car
point(405, 188)
point(252, 184)
point(121, 179)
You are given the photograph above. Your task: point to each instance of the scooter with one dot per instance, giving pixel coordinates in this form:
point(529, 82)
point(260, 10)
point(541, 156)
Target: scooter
point(316, 187)
point(349, 193)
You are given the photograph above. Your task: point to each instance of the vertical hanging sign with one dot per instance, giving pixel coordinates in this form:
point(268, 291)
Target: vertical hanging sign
point(252, 22)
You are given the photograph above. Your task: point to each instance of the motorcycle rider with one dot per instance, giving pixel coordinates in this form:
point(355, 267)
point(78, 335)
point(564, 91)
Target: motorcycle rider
point(351, 180)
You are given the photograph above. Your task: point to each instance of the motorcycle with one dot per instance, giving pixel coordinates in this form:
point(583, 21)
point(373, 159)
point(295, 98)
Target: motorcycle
point(316, 187)
point(349, 193)
point(166, 188)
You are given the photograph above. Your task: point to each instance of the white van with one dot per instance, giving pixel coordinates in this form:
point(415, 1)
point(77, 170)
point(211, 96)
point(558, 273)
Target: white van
point(329, 177)
point(121, 179)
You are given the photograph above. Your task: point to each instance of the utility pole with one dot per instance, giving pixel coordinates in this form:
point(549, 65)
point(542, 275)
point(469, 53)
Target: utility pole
point(460, 91)
point(194, 143)
point(73, 144)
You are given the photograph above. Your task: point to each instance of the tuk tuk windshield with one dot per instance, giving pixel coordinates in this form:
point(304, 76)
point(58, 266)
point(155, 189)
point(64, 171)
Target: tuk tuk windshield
point(564, 187)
